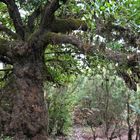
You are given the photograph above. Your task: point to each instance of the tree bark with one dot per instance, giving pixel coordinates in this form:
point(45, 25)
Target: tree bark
point(29, 113)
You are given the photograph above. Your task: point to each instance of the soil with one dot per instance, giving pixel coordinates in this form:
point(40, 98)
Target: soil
point(85, 133)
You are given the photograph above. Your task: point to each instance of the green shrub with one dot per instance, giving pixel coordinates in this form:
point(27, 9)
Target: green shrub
point(60, 105)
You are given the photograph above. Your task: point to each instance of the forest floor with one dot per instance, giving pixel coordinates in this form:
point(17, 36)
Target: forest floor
point(85, 133)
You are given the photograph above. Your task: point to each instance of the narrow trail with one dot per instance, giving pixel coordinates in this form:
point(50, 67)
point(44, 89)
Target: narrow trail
point(84, 133)
point(78, 133)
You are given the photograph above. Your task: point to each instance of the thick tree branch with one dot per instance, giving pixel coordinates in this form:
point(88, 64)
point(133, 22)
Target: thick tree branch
point(115, 56)
point(50, 9)
point(8, 31)
point(32, 18)
point(67, 25)
point(54, 38)
point(15, 16)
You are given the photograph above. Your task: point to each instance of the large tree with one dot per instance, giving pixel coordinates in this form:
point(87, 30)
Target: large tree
point(23, 48)
point(23, 41)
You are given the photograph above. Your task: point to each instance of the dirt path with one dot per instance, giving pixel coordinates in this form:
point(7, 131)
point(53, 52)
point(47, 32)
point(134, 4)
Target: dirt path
point(81, 133)
point(77, 133)
point(84, 133)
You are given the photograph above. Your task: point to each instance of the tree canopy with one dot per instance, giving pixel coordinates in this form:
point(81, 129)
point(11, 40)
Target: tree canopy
point(117, 22)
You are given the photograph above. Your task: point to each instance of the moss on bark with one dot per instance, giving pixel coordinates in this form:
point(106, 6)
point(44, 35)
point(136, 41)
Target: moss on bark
point(67, 25)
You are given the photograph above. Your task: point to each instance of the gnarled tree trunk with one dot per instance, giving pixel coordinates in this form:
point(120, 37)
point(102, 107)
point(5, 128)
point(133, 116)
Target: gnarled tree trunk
point(29, 114)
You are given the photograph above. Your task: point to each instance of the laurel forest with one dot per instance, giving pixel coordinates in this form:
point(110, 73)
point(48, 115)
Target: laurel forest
point(62, 57)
